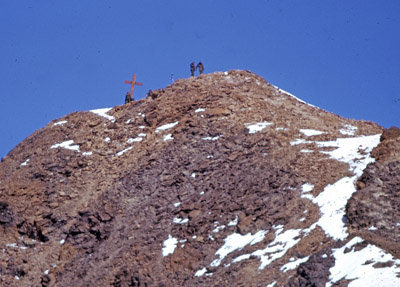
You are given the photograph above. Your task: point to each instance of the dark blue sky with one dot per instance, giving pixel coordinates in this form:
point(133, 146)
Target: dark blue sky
point(63, 56)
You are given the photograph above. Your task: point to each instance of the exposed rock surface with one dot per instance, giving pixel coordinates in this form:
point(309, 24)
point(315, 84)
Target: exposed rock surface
point(213, 181)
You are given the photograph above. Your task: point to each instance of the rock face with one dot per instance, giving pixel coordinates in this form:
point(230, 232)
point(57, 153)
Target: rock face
point(219, 180)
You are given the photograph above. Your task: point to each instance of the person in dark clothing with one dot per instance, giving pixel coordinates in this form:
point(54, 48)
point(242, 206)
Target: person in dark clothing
point(201, 67)
point(192, 68)
point(128, 98)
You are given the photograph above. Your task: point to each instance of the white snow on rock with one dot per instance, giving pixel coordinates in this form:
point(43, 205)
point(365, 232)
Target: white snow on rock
point(348, 130)
point(293, 96)
point(350, 150)
point(293, 264)
point(107, 139)
point(237, 241)
point(200, 272)
point(178, 220)
point(372, 228)
point(233, 222)
point(87, 153)
point(131, 140)
point(310, 132)
point(306, 151)
point(169, 245)
point(254, 128)
point(67, 145)
point(276, 249)
point(15, 245)
point(218, 228)
point(199, 110)
point(272, 284)
point(166, 127)
point(357, 266)
point(300, 141)
point(124, 151)
point(25, 162)
point(168, 137)
point(307, 187)
point(60, 123)
point(176, 204)
point(103, 113)
point(333, 199)
point(211, 138)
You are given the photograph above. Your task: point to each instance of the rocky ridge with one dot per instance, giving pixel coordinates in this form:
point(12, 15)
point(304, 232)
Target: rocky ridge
point(222, 179)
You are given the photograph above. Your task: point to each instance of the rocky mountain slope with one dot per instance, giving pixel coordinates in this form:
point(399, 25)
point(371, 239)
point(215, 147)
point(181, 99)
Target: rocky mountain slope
point(219, 180)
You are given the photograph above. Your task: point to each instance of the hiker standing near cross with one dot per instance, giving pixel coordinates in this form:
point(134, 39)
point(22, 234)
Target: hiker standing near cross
point(133, 83)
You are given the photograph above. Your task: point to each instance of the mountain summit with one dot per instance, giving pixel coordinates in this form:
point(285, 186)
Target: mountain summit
point(218, 180)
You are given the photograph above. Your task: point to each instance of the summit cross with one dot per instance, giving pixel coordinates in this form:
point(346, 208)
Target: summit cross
point(133, 83)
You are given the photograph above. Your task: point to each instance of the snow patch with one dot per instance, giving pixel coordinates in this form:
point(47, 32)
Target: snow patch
point(276, 249)
point(180, 220)
point(254, 128)
point(211, 138)
point(169, 245)
point(233, 222)
point(353, 265)
point(333, 199)
point(299, 141)
point(131, 140)
point(87, 153)
point(310, 132)
point(218, 228)
point(237, 241)
point(25, 162)
point(124, 151)
point(166, 127)
point(67, 145)
point(199, 110)
point(294, 264)
point(200, 272)
point(354, 151)
point(168, 137)
point(60, 123)
point(15, 245)
point(307, 187)
point(103, 113)
point(348, 130)
point(293, 96)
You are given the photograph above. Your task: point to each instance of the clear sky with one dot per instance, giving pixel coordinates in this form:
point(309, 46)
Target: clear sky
point(58, 57)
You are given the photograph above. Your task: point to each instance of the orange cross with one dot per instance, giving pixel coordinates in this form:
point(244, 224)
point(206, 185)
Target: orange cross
point(133, 83)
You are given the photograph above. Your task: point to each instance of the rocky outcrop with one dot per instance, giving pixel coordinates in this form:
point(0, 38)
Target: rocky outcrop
point(374, 211)
point(213, 181)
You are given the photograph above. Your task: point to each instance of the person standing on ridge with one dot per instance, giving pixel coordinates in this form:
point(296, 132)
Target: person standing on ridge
point(201, 67)
point(192, 68)
point(128, 98)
